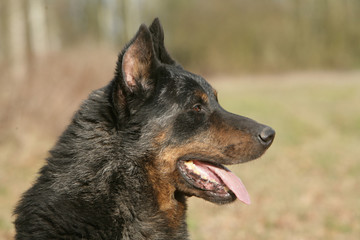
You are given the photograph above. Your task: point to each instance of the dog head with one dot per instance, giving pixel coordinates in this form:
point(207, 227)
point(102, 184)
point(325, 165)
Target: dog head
point(177, 118)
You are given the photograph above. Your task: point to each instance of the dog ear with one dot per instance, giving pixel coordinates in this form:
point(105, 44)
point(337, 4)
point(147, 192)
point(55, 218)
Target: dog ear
point(157, 33)
point(137, 61)
point(133, 71)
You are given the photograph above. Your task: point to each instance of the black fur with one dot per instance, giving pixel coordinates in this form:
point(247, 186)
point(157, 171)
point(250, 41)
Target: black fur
point(98, 182)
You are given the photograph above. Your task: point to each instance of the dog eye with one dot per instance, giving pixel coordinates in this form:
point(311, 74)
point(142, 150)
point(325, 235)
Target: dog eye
point(197, 108)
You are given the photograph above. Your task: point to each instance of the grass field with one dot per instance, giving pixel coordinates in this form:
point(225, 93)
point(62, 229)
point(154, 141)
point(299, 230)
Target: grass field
point(307, 186)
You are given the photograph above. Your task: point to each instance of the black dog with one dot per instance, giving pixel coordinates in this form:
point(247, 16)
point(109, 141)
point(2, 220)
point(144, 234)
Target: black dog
point(136, 150)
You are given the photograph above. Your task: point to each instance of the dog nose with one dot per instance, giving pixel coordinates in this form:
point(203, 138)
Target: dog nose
point(266, 136)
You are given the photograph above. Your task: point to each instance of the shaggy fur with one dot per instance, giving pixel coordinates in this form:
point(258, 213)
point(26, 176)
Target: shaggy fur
point(113, 172)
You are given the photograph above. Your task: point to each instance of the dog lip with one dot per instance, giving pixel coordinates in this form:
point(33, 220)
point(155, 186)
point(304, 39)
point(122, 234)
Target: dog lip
point(182, 168)
point(218, 192)
point(201, 158)
point(217, 179)
point(217, 161)
point(222, 197)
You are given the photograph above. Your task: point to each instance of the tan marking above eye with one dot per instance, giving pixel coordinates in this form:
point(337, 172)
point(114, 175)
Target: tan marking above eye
point(216, 94)
point(204, 97)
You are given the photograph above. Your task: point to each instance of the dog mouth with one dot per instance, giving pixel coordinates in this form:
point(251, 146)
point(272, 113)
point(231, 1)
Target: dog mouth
point(214, 179)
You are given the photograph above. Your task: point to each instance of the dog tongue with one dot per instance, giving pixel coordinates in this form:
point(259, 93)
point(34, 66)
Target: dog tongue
point(231, 181)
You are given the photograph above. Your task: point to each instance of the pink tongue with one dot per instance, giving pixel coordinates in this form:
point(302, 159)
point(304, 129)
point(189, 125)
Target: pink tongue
point(232, 182)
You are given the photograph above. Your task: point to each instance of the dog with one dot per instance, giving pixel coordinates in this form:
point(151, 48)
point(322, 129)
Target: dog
point(136, 150)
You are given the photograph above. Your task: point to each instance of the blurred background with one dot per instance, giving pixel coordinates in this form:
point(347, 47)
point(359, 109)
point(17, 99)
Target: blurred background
point(293, 65)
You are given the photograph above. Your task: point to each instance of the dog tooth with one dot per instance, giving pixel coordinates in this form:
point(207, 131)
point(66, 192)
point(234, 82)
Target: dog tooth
point(189, 164)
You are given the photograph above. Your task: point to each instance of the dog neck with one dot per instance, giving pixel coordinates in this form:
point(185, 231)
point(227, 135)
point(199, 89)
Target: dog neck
point(171, 203)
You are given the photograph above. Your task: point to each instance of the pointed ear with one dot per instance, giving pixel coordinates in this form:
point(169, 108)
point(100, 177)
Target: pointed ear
point(137, 61)
point(157, 33)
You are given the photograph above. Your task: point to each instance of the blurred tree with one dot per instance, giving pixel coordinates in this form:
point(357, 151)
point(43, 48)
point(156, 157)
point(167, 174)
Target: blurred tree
point(38, 27)
point(17, 38)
